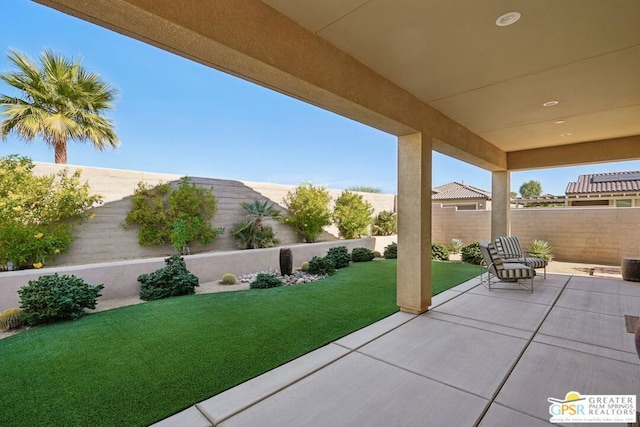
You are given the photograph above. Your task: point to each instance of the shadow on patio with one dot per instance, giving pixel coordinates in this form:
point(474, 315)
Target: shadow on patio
point(476, 358)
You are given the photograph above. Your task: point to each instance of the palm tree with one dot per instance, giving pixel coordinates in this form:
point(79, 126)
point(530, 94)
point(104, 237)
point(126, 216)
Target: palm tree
point(253, 233)
point(60, 101)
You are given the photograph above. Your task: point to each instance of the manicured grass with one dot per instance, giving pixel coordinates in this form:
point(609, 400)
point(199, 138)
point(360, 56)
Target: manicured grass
point(136, 365)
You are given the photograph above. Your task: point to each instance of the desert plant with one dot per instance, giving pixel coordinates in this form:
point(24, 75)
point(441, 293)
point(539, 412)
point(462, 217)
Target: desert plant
point(455, 246)
point(253, 232)
point(321, 266)
point(52, 297)
point(385, 224)
point(305, 266)
point(309, 207)
point(541, 249)
point(179, 216)
point(352, 215)
point(12, 318)
point(38, 212)
point(391, 251)
point(229, 279)
point(377, 254)
point(172, 280)
point(439, 252)
point(471, 253)
point(265, 281)
point(340, 256)
point(362, 255)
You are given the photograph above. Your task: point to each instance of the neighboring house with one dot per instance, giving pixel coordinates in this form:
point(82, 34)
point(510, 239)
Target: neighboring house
point(462, 196)
point(617, 189)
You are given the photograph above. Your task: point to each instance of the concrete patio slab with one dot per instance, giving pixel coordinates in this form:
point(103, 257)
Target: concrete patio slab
point(443, 297)
point(188, 418)
point(360, 391)
point(469, 284)
point(363, 336)
point(622, 356)
point(547, 371)
point(611, 286)
point(440, 351)
point(587, 327)
point(492, 309)
point(600, 302)
point(542, 294)
point(499, 416)
point(232, 401)
point(491, 327)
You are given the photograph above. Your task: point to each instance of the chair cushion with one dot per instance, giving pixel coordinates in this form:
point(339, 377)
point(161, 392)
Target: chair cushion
point(509, 247)
point(514, 270)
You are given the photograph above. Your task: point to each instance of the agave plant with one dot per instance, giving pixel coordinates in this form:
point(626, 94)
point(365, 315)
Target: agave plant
point(541, 249)
point(455, 246)
point(253, 232)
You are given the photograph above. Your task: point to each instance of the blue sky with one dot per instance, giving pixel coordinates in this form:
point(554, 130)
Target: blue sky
point(177, 116)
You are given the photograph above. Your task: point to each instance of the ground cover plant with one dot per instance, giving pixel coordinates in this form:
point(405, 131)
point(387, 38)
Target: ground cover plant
point(136, 365)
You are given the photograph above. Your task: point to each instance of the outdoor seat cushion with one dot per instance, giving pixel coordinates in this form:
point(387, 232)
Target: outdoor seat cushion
point(514, 270)
point(530, 261)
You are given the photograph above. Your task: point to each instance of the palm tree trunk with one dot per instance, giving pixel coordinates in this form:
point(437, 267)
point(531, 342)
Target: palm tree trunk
point(60, 147)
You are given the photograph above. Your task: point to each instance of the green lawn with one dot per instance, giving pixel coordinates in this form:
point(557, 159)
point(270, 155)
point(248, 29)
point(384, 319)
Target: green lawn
point(136, 365)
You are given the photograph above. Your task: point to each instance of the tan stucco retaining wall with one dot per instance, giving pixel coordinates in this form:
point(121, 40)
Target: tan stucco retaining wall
point(587, 235)
point(120, 278)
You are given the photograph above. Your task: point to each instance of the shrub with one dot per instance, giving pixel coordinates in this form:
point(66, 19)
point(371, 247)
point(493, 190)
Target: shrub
point(305, 266)
point(377, 254)
point(352, 215)
point(321, 266)
point(265, 281)
point(362, 255)
point(391, 251)
point(471, 253)
point(439, 252)
point(340, 256)
point(254, 233)
point(385, 224)
point(178, 216)
point(11, 318)
point(54, 297)
point(309, 207)
point(229, 279)
point(38, 211)
point(172, 280)
point(541, 249)
point(455, 246)
point(365, 189)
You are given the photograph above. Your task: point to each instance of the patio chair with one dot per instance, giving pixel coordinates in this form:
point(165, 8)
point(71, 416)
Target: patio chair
point(510, 251)
point(498, 271)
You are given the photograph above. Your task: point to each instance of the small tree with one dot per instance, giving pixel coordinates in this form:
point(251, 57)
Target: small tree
point(352, 215)
point(365, 189)
point(530, 189)
point(309, 207)
point(385, 224)
point(254, 233)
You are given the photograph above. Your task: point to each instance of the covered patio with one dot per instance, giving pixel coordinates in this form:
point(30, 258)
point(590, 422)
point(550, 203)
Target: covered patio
point(475, 358)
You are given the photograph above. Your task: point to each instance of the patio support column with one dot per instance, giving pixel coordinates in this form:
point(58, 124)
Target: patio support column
point(414, 223)
point(500, 204)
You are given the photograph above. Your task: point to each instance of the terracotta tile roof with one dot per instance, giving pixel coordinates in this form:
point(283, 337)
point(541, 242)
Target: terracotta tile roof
point(455, 190)
point(614, 182)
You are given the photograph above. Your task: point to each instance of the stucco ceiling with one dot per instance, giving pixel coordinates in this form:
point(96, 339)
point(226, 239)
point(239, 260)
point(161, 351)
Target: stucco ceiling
point(494, 80)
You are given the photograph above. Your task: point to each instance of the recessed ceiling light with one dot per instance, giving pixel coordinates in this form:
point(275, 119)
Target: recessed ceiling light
point(566, 134)
point(559, 122)
point(550, 103)
point(508, 19)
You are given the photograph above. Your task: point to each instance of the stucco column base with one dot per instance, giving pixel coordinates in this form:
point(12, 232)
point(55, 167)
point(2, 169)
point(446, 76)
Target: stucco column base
point(414, 223)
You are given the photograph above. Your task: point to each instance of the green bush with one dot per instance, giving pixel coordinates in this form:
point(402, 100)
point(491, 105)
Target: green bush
point(362, 255)
point(265, 281)
point(305, 266)
point(309, 207)
point(471, 253)
point(391, 251)
point(340, 256)
point(172, 280)
point(439, 252)
point(377, 254)
point(385, 224)
point(12, 318)
point(53, 297)
point(38, 212)
point(229, 279)
point(321, 266)
point(179, 216)
point(541, 249)
point(455, 246)
point(352, 215)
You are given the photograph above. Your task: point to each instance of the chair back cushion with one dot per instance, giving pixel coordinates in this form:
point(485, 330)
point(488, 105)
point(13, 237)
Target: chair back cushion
point(491, 258)
point(509, 247)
